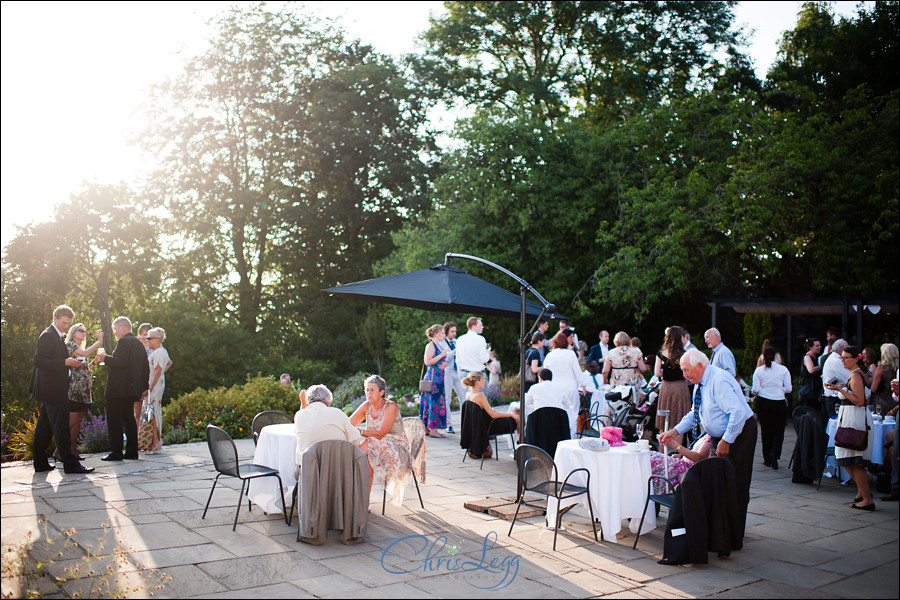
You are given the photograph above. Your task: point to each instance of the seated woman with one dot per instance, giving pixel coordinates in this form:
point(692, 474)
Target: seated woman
point(388, 449)
point(478, 417)
point(678, 463)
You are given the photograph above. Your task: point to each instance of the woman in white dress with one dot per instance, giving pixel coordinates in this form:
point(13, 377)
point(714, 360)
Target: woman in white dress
point(563, 362)
point(853, 414)
point(159, 364)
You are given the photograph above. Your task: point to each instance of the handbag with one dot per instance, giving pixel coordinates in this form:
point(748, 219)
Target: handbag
point(426, 386)
point(530, 376)
point(146, 429)
point(852, 439)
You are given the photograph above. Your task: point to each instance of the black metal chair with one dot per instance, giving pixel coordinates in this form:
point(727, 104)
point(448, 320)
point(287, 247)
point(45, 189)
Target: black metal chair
point(473, 418)
point(225, 459)
point(267, 417)
point(537, 473)
point(660, 499)
point(593, 424)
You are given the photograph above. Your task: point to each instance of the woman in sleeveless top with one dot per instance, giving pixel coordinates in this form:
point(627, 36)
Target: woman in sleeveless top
point(881, 380)
point(674, 393)
point(853, 414)
point(810, 375)
point(432, 408)
point(388, 448)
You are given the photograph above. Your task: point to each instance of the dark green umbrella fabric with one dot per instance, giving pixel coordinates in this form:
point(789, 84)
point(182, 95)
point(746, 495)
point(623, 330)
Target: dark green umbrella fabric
point(439, 288)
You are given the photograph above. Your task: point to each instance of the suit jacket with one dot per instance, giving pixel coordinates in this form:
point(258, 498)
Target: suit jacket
point(128, 374)
point(50, 377)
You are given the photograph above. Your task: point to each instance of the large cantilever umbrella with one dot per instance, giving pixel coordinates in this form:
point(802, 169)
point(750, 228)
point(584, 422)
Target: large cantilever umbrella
point(446, 288)
point(439, 288)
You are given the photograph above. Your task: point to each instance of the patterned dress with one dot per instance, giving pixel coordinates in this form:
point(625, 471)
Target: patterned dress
point(678, 466)
point(389, 456)
point(624, 367)
point(79, 383)
point(432, 409)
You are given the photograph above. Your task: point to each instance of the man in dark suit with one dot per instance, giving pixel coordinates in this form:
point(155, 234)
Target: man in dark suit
point(50, 387)
point(127, 381)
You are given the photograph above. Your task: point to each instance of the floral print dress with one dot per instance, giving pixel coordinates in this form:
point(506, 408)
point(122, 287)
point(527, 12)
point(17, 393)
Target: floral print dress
point(389, 456)
point(432, 409)
point(79, 381)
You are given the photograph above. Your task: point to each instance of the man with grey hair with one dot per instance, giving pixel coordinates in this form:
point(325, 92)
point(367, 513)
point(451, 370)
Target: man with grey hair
point(833, 371)
point(319, 421)
point(127, 382)
point(720, 406)
point(721, 354)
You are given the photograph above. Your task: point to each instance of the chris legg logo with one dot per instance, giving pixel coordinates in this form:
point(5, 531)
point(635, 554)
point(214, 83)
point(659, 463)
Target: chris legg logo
point(435, 556)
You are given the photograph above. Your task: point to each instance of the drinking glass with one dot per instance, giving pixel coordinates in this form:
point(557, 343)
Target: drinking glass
point(101, 350)
point(639, 429)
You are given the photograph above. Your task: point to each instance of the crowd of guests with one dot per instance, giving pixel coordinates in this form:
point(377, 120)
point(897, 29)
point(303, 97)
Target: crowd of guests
point(62, 381)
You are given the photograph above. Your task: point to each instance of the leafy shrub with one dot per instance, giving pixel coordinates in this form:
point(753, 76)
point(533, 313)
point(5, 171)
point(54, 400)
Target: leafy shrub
point(176, 435)
point(232, 409)
point(94, 435)
point(21, 442)
point(351, 390)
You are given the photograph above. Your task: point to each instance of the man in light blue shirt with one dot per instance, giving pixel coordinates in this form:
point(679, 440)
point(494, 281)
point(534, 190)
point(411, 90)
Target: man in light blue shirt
point(721, 355)
point(720, 406)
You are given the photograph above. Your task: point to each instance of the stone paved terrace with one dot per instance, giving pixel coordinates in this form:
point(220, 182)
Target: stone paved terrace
point(799, 543)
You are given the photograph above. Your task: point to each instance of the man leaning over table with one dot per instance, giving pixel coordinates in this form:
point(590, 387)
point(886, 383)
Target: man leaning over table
point(725, 415)
point(319, 421)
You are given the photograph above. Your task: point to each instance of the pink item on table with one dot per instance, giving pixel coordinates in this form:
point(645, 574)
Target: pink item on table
point(613, 435)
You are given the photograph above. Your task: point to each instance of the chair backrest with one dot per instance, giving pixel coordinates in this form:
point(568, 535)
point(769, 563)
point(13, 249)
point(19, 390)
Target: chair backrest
point(534, 466)
point(415, 435)
point(223, 451)
point(546, 427)
point(267, 417)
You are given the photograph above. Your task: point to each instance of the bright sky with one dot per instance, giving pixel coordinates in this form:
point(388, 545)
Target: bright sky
point(74, 73)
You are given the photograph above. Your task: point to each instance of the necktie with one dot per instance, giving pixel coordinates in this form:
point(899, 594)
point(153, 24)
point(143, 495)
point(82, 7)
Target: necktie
point(596, 385)
point(697, 402)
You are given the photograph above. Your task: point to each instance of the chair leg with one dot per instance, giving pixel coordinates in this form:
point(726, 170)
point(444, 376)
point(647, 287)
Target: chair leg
point(280, 491)
point(415, 481)
point(465, 452)
point(594, 523)
point(294, 495)
point(238, 511)
point(559, 514)
point(215, 481)
point(641, 526)
point(496, 449)
point(383, 501)
point(518, 506)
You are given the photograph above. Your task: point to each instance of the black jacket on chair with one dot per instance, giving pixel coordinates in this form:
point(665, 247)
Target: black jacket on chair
point(808, 460)
point(129, 369)
point(707, 506)
point(546, 427)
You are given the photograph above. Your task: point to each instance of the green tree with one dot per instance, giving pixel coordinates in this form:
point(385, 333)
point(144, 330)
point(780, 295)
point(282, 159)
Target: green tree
point(289, 154)
point(609, 58)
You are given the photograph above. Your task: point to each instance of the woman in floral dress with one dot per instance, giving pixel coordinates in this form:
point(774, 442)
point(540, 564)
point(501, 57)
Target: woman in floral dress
point(79, 380)
point(388, 453)
point(678, 463)
point(432, 409)
point(624, 364)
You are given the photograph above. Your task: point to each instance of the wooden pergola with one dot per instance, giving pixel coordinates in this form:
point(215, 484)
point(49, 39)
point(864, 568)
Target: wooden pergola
point(844, 307)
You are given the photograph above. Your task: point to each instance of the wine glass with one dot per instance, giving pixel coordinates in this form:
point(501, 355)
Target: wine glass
point(101, 350)
point(639, 429)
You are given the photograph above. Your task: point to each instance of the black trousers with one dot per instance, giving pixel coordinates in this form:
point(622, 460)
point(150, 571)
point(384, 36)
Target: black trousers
point(771, 414)
point(119, 418)
point(740, 455)
point(53, 421)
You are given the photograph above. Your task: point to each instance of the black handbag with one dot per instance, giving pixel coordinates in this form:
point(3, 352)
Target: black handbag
point(852, 439)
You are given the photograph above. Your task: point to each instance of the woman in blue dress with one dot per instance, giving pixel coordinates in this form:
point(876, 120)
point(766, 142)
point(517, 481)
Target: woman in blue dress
point(431, 408)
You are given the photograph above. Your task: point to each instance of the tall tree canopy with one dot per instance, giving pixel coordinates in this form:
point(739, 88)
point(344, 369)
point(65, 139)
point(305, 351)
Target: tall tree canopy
point(289, 155)
point(609, 58)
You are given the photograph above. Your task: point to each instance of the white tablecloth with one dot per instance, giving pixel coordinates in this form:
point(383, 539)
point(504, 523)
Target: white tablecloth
point(276, 448)
point(618, 485)
point(879, 431)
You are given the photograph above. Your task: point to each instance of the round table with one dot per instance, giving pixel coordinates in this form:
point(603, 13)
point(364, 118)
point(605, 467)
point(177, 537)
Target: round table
point(618, 485)
point(276, 448)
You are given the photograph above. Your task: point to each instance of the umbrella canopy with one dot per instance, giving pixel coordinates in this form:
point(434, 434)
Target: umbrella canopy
point(440, 288)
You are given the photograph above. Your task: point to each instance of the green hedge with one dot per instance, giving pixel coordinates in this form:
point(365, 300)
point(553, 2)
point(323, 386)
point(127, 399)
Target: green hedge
point(232, 408)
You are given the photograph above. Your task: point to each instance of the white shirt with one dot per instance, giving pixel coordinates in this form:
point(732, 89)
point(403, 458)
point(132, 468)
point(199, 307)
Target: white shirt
point(471, 353)
point(772, 382)
point(567, 374)
point(543, 394)
point(319, 422)
point(833, 370)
